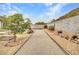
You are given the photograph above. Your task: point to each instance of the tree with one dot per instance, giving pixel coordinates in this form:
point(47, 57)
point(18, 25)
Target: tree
point(28, 22)
point(16, 24)
point(40, 23)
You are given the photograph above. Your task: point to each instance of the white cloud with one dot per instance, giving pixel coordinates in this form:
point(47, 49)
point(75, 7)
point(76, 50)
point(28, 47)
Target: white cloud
point(13, 9)
point(54, 10)
point(48, 4)
point(8, 9)
point(31, 17)
point(17, 9)
point(9, 6)
point(12, 12)
point(2, 7)
point(26, 16)
point(2, 10)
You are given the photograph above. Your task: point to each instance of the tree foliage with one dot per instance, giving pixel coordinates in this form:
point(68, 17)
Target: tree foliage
point(16, 24)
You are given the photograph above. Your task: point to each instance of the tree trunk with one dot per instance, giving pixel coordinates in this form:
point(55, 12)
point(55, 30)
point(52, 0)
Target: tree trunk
point(14, 36)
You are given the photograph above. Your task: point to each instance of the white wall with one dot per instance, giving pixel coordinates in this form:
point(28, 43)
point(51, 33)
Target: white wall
point(69, 25)
point(37, 26)
point(1, 24)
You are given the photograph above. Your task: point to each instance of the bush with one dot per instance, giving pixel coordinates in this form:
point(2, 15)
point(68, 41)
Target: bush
point(45, 26)
point(59, 32)
point(74, 37)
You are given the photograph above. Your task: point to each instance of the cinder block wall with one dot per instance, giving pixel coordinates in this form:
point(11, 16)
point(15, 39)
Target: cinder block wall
point(68, 25)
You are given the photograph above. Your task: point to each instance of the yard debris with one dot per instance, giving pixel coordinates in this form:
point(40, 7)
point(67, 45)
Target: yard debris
point(30, 31)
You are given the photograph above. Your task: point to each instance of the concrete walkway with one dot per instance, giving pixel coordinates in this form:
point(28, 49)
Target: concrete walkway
point(40, 44)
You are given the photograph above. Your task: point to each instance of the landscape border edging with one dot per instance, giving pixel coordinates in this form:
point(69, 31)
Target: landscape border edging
point(22, 45)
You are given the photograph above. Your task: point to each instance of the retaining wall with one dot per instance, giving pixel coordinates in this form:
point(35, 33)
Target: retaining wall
point(68, 25)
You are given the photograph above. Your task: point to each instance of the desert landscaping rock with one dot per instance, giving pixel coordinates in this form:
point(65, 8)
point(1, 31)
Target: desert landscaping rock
point(71, 47)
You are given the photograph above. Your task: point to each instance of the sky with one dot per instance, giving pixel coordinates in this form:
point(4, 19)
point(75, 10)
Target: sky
point(37, 11)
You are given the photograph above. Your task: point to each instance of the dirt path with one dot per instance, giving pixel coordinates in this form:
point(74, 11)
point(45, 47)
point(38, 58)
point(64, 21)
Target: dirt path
point(40, 44)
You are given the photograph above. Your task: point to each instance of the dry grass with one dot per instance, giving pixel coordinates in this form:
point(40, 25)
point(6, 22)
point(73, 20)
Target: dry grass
point(11, 47)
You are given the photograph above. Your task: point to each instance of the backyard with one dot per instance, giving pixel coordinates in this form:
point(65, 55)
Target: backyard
point(39, 29)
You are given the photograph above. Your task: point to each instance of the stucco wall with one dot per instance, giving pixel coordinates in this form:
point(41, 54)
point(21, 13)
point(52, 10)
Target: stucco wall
point(1, 24)
point(69, 25)
point(37, 26)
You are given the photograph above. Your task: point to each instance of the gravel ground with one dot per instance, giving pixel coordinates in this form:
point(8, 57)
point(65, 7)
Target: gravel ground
point(12, 47)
